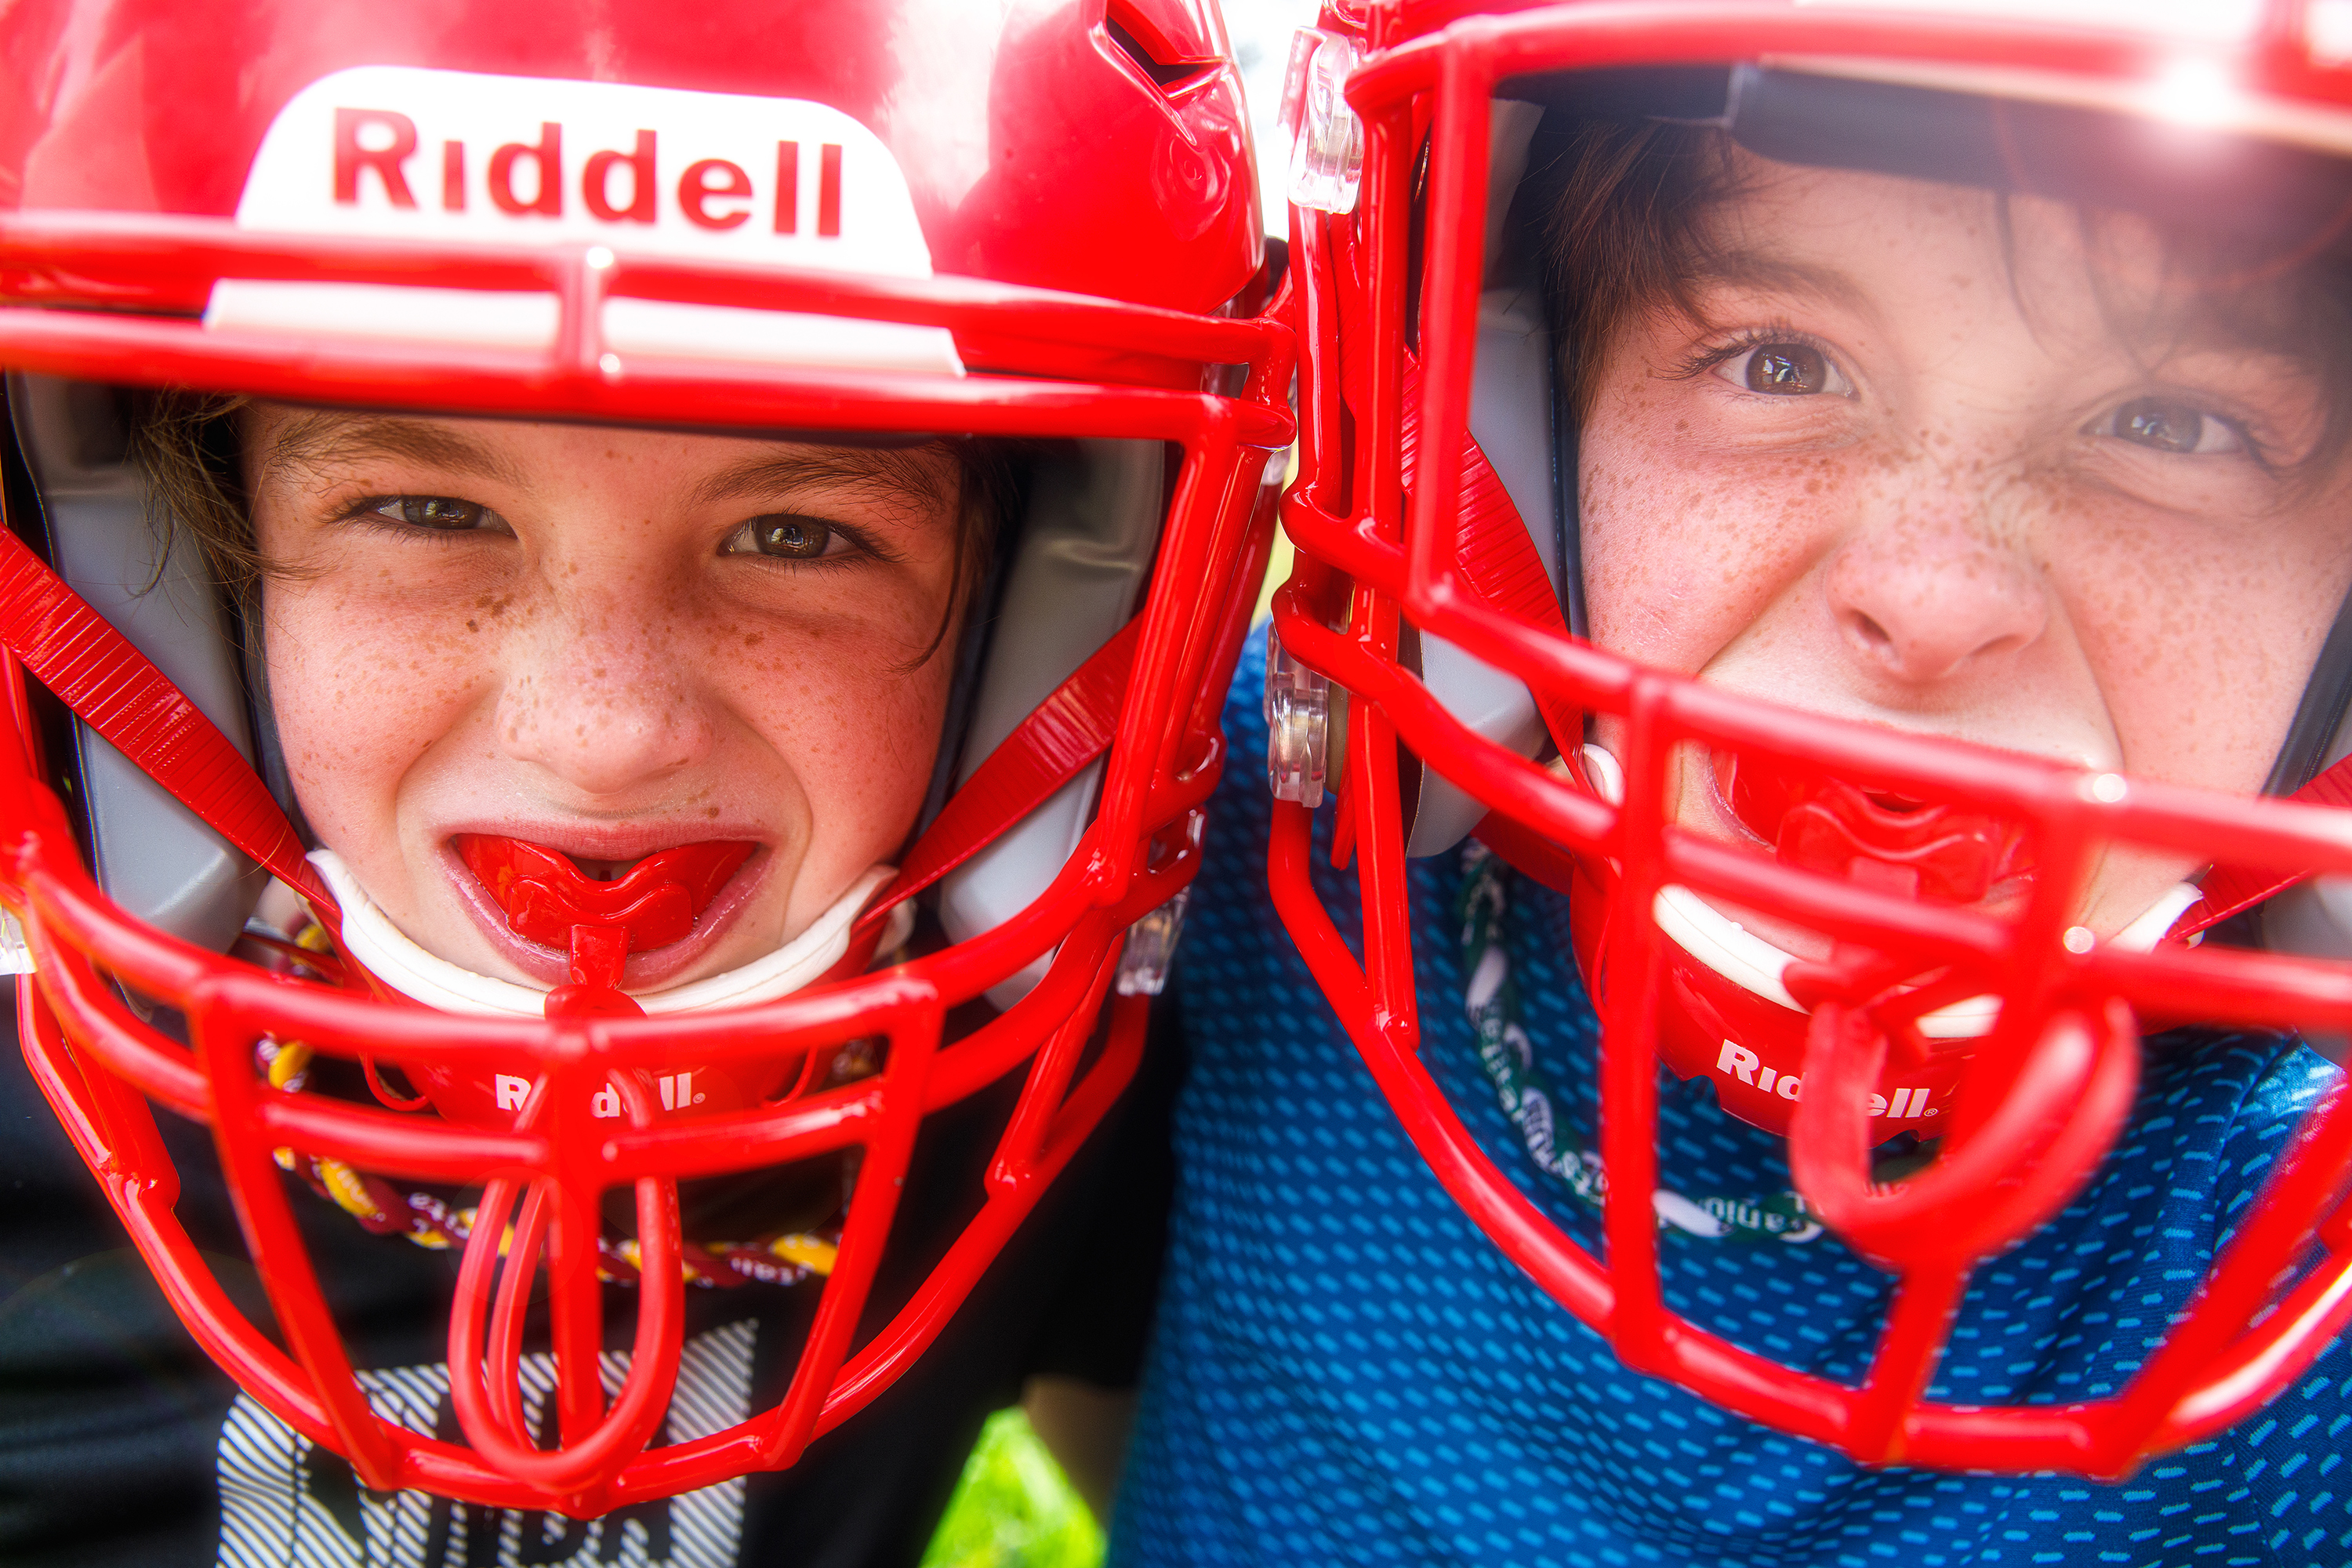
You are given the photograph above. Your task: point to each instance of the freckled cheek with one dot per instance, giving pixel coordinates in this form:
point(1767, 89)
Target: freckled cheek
point(2165, 617)
point(360, 690)
point(859, 728)
point(1681, 555)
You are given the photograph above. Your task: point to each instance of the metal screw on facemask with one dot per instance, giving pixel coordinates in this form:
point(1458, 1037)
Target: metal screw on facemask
point(1298, 726)
point(1151, 948)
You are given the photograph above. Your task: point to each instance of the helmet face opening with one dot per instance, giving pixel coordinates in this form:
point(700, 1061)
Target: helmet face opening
point(604, 654)
point(1815, 512)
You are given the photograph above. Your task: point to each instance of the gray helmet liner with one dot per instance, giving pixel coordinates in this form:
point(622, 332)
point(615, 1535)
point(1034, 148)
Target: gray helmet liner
point(155, 857)
point(1512, 397)
point(1086, 549)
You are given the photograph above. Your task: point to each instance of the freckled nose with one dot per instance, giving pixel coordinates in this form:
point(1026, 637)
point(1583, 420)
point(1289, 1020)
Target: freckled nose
point(600, 699)
point(1928, 605)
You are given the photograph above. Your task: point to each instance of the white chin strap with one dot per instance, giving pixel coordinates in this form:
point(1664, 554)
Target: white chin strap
point(1755, 965)
point(371, 939)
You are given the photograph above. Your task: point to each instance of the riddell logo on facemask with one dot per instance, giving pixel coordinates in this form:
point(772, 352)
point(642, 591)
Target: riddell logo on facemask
point(676, 1091)
point(1737, 1061)
point(394, 150)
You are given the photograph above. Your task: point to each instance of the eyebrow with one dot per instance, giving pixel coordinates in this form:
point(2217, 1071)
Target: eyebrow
point(319, 438)
point(898, 471)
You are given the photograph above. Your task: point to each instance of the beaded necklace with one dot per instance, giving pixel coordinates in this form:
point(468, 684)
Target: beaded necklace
point(428, 1221)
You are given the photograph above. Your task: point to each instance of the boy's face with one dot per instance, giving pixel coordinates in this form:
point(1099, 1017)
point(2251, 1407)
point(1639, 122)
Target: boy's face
point(608, 642)
point(1910, 470)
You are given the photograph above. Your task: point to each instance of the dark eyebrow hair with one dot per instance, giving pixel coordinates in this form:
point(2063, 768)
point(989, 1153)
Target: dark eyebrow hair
point(900, 469)
point(314, 438)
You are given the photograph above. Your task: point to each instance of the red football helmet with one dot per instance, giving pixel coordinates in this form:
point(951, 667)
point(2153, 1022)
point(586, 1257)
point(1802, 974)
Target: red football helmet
point(828, 219)
point(1851, 921)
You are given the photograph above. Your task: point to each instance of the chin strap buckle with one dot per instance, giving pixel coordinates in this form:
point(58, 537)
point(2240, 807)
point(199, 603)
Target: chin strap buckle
point(1144, 962)
point(16, 952)
point(1297, 725)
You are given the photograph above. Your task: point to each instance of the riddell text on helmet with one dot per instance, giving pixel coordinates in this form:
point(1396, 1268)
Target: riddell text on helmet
point(401, 150)
point(712, 193)
point(1737, 1061)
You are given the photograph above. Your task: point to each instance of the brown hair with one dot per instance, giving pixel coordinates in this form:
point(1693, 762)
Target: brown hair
point(1627, 231)
point(187, 445)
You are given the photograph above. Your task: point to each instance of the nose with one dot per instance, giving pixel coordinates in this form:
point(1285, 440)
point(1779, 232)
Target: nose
point(599, 688)
point(1926, 600)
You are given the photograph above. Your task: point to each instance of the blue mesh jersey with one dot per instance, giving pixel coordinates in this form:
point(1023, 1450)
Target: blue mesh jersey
point(1344, 1370)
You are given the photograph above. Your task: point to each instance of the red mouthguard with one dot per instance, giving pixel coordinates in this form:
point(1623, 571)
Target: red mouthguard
point(1952, 854)
point(549, 900)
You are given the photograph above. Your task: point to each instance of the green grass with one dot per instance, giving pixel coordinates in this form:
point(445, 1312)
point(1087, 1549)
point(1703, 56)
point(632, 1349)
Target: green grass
point(1013, 1507)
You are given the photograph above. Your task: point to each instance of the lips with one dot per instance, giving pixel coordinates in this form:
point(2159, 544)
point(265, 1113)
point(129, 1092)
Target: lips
point(1827, 825)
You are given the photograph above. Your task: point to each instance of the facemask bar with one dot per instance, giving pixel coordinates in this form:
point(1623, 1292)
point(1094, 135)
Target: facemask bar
point(1361, 569)
point(1511, 418)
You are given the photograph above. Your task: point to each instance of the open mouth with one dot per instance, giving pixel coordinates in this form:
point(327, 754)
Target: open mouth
point(1845, 827)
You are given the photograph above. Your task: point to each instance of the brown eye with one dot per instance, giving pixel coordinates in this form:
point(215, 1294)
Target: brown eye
point(2167, 426)
point(794, 538)
point(1786, 369)
point(443, 514)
